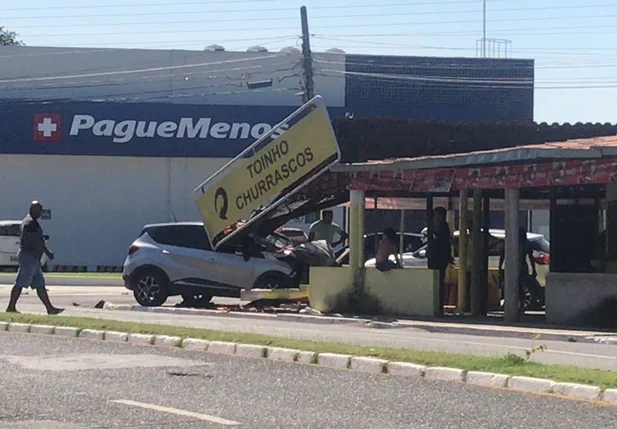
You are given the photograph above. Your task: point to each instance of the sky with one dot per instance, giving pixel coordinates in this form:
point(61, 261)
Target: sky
point(573, 42)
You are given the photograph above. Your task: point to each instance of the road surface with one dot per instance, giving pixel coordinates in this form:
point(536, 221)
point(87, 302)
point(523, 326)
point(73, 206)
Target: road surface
point(55, 383)
point(600, 356)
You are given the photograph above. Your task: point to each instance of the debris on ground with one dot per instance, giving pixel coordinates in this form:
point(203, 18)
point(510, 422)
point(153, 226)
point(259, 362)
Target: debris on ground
point(310, 311)
point(375, 324)
point(100, 305)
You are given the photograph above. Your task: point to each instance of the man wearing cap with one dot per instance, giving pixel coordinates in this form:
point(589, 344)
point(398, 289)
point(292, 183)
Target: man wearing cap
point(31, 249)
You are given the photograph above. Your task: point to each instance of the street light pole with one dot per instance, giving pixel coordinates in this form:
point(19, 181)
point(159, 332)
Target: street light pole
point(483, 28)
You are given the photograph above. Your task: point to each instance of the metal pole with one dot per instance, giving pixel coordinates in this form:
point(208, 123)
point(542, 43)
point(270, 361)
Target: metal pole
point(476, 241)
point(486, 224)
point(484, 29)
point(512, 262)
point(307, 60)
point(401, 245)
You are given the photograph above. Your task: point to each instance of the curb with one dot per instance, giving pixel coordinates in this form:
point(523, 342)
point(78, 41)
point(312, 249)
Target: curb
point(526, 334)
point(513, 332)
point(205, 312)
point(332, 360)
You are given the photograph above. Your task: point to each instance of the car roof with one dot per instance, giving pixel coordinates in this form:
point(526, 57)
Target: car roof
point(159, 225)
point(501, 233)
point(406, 234)
point(298, 230)
point(9, 222)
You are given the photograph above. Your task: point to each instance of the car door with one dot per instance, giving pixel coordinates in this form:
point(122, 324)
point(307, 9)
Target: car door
point(195, 263)
point(232, 267)
point(9, 244)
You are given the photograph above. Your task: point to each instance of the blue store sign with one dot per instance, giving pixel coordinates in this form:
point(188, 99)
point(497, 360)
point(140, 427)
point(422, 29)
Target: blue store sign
point(136, 129)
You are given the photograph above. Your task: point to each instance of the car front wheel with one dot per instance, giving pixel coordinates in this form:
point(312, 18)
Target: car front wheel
point(150, 288)
point(274, 281)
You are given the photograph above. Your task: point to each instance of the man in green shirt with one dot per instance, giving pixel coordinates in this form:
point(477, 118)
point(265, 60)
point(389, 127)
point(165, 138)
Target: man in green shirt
point(325, 229)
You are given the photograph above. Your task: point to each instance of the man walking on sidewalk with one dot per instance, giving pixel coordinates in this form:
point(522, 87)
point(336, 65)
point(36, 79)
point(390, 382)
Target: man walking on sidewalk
point(31, 249)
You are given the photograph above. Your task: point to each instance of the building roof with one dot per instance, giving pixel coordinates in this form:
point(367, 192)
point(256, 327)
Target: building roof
point(590, 148)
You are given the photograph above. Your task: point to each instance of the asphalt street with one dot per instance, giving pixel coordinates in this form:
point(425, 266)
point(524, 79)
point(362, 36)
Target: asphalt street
point(54, 383)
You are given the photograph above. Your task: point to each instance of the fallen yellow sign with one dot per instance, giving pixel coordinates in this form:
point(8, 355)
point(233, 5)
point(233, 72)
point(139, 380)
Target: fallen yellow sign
point(269, 170)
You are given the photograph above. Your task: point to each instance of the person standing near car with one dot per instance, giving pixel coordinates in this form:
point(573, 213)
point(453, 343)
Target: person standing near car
point(31, 249)
point(440, 251)
point(326, 229)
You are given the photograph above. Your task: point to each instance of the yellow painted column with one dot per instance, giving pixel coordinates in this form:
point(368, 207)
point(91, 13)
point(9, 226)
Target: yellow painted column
point(356, 239)
point(512, 262)
point(476, 241)
point(462, 250)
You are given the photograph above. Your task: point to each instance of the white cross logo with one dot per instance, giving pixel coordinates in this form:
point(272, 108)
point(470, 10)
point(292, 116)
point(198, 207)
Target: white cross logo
point(47, 127)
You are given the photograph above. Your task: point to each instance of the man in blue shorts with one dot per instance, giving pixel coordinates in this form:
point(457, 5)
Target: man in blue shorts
point(31, 249)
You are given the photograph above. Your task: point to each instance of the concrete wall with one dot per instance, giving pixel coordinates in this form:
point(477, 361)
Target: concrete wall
point(406, 292)
point(99, 204)
point(581, 299)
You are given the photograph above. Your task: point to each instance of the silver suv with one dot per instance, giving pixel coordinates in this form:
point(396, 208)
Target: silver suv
point(173, 259)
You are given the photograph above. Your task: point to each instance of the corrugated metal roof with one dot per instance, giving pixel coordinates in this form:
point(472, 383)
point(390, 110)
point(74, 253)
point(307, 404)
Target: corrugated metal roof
point(590, 148)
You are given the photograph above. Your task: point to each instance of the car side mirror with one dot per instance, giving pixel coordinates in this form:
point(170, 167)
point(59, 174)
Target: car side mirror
point(46, 237)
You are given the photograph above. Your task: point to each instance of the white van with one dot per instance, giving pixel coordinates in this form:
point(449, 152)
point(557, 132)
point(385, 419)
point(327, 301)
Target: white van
point(9, 245)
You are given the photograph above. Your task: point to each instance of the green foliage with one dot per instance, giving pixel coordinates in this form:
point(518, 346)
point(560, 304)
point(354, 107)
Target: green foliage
point(9, 38)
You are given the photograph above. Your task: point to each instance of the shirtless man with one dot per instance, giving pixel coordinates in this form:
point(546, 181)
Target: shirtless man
point(387, 246)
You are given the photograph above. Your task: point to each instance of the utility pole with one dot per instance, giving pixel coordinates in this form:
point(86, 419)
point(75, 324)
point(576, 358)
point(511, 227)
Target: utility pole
point(484, 29)
point(307, 60)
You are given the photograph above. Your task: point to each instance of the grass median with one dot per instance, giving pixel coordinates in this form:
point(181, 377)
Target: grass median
point(508, 364)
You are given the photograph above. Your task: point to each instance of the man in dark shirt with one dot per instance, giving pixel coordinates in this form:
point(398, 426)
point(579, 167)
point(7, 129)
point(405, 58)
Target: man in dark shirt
point(31, 250)
point(440, 251)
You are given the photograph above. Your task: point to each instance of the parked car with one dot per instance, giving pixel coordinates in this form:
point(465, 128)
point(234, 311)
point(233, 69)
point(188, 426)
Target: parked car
point(413, 241)
point(173, 259)
point(9, 245)
point(534, 296)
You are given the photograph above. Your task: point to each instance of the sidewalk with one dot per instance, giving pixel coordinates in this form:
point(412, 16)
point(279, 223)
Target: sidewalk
point(523, 330)
point(491, 326)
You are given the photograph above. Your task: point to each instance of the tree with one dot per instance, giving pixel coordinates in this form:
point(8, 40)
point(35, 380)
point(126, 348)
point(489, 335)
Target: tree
point(9, 38)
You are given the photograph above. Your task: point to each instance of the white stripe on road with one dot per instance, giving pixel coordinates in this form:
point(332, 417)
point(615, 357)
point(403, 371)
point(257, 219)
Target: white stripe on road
point(178, 412)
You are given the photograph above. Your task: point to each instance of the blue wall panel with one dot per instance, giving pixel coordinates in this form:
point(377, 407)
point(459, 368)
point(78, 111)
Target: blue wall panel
point(446, 89)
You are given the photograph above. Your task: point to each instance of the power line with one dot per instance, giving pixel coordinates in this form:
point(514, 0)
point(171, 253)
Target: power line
point(125, 72)
point(601, 52)
point(523, 31)
point(497, 64)
point(289, 18)
point(82, 51)
point(278, 9)
point(466, 86)
point(253, 71)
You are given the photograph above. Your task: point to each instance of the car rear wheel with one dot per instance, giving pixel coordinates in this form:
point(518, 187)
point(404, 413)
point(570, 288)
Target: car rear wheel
point(273, 281)
point(534, 299)
point(150, 288)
